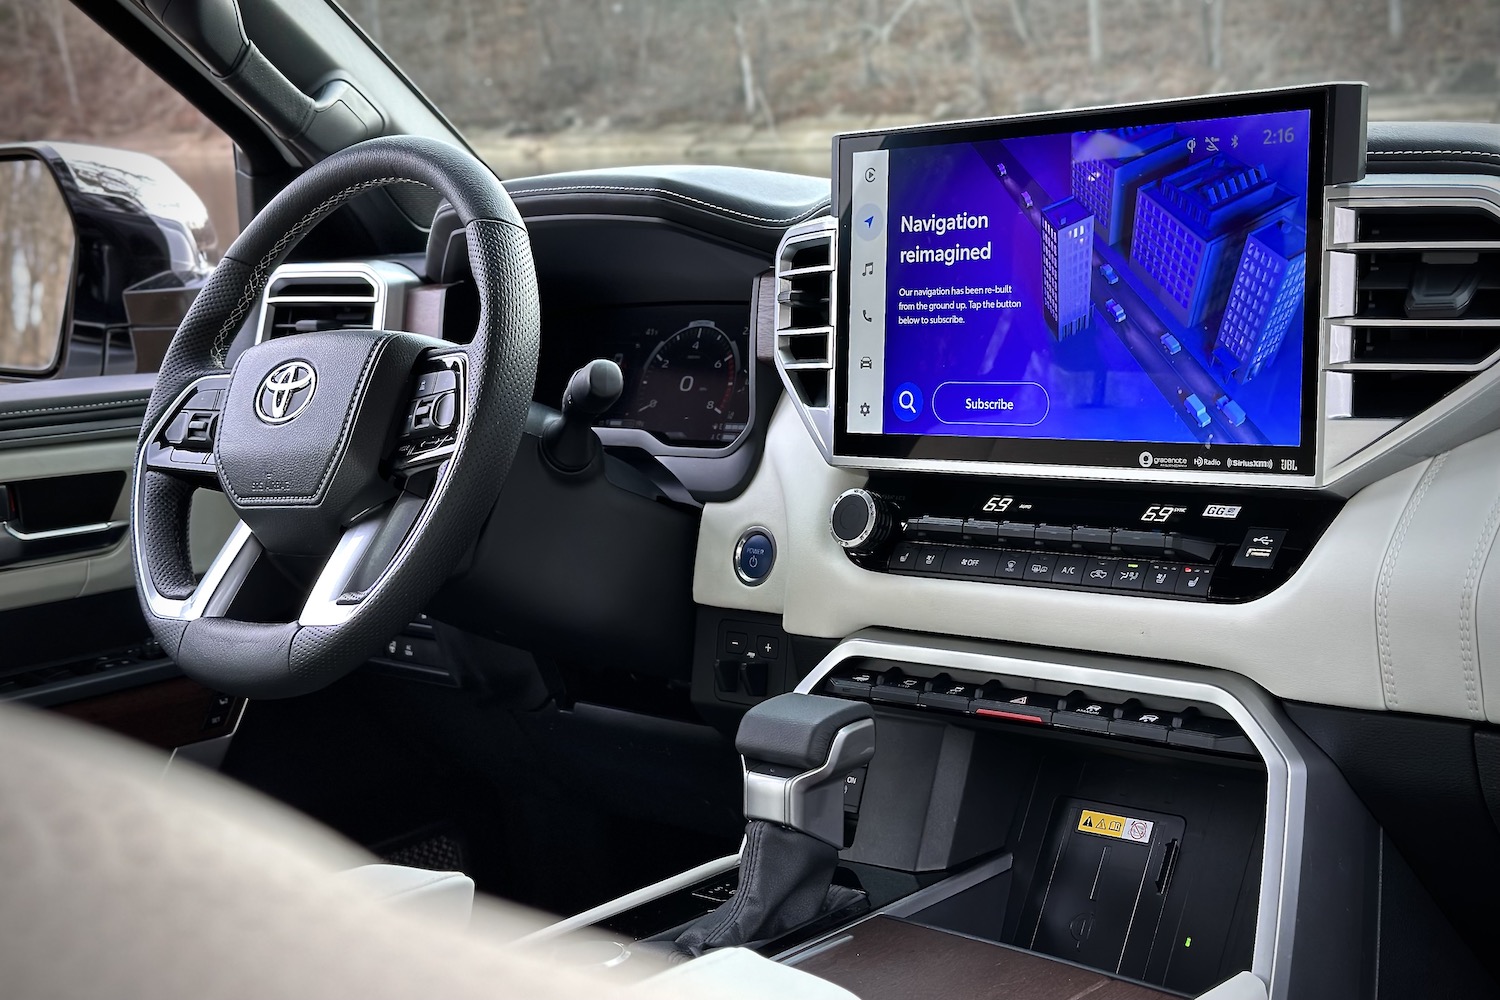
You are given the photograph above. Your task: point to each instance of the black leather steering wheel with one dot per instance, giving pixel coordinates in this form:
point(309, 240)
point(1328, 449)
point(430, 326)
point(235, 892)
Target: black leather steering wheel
point(361, 463)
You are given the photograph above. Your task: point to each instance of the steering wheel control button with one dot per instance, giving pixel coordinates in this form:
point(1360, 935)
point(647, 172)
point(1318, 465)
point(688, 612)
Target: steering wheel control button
point(767, 647)
point(1258, 550)
point(736, 643)
point(1192, 581)
point(434, 413)
point(754, 556)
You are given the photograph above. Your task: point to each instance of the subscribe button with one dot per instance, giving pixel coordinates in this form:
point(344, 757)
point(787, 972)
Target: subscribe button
point(1019, 404)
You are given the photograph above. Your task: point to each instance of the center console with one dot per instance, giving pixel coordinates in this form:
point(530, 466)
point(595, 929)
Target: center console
point(1070, 821)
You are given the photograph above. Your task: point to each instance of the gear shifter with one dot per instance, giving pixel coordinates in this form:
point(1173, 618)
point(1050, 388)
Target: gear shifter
point(568, 441)
point(798, 749)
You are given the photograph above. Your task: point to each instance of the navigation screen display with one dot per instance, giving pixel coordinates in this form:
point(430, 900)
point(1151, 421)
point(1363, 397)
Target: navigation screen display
point(1136, 290)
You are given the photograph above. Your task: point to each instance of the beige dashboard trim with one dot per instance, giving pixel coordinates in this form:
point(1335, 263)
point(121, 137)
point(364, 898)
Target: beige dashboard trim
point(1314, 639)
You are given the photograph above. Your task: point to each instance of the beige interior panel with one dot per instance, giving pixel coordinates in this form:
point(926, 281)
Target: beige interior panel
point(96, 573)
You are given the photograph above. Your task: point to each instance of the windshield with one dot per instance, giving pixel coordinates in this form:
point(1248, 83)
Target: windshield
point(544, 85)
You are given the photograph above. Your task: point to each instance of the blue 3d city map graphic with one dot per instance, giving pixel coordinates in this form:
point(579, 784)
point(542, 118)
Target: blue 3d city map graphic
point(1128, 284)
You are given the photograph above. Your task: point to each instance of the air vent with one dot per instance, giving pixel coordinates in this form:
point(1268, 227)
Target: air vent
point(1421, 316)
point(804, 312)
point(305, 301)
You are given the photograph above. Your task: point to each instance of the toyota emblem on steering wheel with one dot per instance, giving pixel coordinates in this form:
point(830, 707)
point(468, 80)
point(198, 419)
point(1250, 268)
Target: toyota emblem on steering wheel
point(285, 392)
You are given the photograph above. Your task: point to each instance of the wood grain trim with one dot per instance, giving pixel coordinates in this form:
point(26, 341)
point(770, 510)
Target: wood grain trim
point(888, 959)
point(167, 714)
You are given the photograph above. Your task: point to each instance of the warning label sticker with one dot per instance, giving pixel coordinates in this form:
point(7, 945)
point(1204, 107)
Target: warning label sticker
point(1119, 827)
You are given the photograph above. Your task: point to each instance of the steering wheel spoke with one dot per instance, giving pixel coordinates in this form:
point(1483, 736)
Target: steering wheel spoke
point(219, 585)
point(361, 557)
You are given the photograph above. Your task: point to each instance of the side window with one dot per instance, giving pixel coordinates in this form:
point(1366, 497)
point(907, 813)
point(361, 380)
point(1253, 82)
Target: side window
point(128, 195)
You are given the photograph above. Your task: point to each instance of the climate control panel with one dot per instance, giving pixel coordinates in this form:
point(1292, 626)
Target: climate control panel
point(1185, 544)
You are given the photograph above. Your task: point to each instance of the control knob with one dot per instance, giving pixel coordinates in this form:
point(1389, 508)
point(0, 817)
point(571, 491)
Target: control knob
point(860, 521)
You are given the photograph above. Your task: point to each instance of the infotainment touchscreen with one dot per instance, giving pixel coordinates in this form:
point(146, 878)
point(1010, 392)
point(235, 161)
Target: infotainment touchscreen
point(1130, 288)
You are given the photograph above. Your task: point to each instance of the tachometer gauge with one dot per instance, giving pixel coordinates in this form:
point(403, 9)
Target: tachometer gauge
point(689, 387)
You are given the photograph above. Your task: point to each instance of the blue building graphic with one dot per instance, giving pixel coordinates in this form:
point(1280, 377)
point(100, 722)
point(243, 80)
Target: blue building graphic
point(1264, 301)
point(1190, 227)
point(1067, 266)
point(1111, 165)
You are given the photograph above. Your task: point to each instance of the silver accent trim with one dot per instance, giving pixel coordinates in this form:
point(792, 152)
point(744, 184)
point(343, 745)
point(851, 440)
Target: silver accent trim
point(813, 801)
point(322, 606)
point(1467, 412)
point(863, 536)
point(1250, 707)
point(631, 900)
point(819, 419)
point(208, 753)
point(72, 531)
point(229, 567)
point(739, 546)
point(388, 283)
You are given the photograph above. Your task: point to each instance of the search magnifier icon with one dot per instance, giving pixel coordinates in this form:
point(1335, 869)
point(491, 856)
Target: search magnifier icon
point(907, 401)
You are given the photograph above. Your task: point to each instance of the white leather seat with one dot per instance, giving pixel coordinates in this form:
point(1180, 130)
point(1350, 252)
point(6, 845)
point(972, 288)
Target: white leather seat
point(115, 883)
point(445, 898)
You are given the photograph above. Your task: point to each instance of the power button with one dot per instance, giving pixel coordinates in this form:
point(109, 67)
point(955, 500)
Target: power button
point(754, 556)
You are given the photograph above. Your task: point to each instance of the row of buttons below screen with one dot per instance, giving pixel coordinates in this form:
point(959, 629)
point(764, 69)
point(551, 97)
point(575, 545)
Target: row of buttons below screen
point(1079, 711)
point(1131, 541)
point(1099, 572)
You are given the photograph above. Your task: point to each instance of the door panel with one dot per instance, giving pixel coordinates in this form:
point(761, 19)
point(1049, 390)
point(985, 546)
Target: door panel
point(95, 571)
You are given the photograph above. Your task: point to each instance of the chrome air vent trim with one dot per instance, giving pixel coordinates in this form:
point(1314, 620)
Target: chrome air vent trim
point(806, 263)
point(387, 283)
point(1371, 447)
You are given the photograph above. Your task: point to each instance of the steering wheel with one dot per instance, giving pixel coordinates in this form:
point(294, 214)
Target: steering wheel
point(361, 463)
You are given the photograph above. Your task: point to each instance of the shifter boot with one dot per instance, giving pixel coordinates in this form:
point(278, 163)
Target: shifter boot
point(785, 881)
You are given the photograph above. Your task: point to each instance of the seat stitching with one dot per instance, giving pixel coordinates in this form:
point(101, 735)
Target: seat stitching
point(1387, 575)
point(1466, 609)
point(262, 270)
point(1433, 152)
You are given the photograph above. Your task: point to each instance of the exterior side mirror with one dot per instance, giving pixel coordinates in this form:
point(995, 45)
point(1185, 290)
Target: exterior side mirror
point(38, 254)
point(80, 227)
